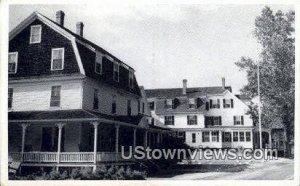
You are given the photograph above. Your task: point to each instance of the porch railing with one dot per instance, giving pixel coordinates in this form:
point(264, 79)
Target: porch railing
point(65, 157)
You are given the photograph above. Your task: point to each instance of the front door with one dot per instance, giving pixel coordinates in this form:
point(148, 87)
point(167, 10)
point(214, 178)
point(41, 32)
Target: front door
point(226, 139)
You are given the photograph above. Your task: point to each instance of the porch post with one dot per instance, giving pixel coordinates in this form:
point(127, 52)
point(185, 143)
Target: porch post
point(60, 126)
point(24, 127)
point(146, 139)
point(134, 138)
point(95, 124)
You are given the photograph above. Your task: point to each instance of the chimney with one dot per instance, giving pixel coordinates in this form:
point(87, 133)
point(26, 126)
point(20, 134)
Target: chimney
point(223, 83)
point(79, 28)
point(184, 86)
point(60, 17)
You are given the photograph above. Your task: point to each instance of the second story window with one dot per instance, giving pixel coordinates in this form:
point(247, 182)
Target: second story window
point(192, 103)
point(128, 107)
point(227, 103)
point(214, 103)
point(55, 96)
point(35, 34)
point(169, 120)
point(169, 103)
point(10, 97)
point(57, 59)
point(213, 121)
point(113, 105)
point(192, 120)
point(96, 99)
point(12, 62)
point(98, 63)
point(238, 120)
point(116, 72)
point(130, 79)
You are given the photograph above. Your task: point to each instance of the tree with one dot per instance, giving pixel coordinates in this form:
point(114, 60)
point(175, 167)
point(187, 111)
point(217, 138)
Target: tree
point(275, 33)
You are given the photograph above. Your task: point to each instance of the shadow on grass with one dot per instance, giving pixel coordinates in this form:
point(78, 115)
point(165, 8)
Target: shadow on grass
point(203, 168)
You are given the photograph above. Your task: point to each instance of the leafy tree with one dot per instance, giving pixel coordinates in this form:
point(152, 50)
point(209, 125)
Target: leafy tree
point(275, 33)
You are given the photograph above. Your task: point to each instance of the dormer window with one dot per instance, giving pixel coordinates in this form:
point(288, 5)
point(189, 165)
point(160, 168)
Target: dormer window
point(35, 34)
point(98, 63)
point(192, 103)
point(130, 79)
point(116, 72)
point(57, 59)
point(12, 62)
point(227, 103)
point(169, 103)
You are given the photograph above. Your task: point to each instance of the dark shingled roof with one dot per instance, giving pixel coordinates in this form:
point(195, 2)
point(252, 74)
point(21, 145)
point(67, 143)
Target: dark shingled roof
point(69, 114)
point(177, 92)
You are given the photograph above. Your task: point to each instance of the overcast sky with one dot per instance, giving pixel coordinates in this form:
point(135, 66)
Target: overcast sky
point(167, 43)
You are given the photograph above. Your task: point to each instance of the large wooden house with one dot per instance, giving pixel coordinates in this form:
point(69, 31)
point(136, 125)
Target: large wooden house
point(70, 102)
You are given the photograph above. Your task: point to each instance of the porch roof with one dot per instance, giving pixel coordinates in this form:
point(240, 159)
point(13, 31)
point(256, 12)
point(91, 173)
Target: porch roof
point(69, 115)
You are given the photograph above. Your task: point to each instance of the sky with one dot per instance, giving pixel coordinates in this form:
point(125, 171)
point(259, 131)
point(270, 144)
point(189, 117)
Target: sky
point(166, 43)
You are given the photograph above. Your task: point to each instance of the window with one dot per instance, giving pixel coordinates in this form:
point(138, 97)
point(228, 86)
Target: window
point(205, 136)
point(226, 137)
point(242, 136)
point(143, 107)
point(128, 107)
point(139, 106)
point(248, 136)
point(98, 63)
point(215, 136)
point(151, 105)
point(10, 97)
point(192, 120)
point(169, 120)
point(35, 34)
point(238, 120)
point(214, 103)
point(169, 103)
point(57, 59)
point(113, 105)
point(12, 62)
point(193, 137)
point(130, 79)
point(227, 103)
point(116, 72)
point(235, 136)
point(213, 121)
point(96, 99)
point(192, 103)
point(55, 96)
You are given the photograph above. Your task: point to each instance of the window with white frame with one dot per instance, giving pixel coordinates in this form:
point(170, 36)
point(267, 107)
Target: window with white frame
point(10, 97)
point(98, 63)
point(248, 136)
point(214, 103)
point(130, 79)
point(193, 137)
point(235, 136)
point(55, 96)
point(169, 103)
point(192, 103)
point(242, 136)
point(192, 120)
point(116, 71)
point(169, 120)
point(227, 103)
point(35, 34)
point(57, 59)
point(238, 120)
point(205, 136)
point(12, 62)
point(215, 136)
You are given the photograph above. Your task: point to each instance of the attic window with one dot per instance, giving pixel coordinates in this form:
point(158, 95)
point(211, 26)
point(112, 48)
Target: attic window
point(98, 63)
point(130, 79)
point(116, 72)
point(35, 34)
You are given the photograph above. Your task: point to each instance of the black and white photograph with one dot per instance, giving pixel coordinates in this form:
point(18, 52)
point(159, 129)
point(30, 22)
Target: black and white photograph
point(149, 91)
